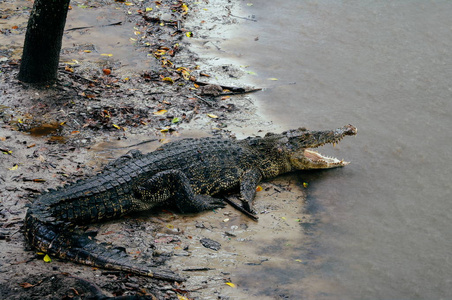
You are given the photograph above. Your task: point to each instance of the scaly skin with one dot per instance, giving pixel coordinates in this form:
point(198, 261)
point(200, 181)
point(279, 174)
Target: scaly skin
point(185, 174)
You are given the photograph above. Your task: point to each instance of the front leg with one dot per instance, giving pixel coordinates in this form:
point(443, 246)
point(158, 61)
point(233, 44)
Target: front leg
point(248, 184)
point(173, 186)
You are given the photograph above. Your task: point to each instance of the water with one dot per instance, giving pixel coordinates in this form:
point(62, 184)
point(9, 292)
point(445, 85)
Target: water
point(385, 223)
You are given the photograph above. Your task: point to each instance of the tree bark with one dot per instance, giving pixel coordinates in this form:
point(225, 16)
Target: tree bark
point(43, 41)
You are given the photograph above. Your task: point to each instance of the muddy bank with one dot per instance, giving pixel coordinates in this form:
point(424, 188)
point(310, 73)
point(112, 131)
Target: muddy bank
point(133, 90)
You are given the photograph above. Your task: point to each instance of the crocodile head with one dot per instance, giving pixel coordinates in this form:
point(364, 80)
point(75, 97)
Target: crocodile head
point(298, 144)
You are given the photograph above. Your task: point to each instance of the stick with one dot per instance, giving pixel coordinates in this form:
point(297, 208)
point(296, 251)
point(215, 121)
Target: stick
point(204, 100)
point(234, 90)
point(88, 27)
point(241, 209)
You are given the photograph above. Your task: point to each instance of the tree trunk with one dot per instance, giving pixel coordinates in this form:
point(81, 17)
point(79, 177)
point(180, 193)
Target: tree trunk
point(43, 41)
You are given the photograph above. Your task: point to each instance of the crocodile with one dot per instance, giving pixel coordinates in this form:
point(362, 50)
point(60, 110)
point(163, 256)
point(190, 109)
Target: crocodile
point(187, 175)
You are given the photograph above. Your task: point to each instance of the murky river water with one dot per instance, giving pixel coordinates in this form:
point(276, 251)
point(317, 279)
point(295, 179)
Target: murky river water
point(385, 221)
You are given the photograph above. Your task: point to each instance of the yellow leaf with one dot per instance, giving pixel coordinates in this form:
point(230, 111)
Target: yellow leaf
point(169, 79)
point(180, 297)
point(185, 8)
point(107, 54)
point(160, 52)
point(160, 112)
point(128, 3)
point(20, 121)
point(258, 188)
point(164, 130)
point(212, 116)
point(116, 126)
point(137, 32)
point(298, 260)
point(14, 167)
point(284, 218)
point(87, 51)
point(148, 8)
point(274, 79)
point(189, 34)
point(185, 74)
point(231, 284)
point(305, 184)
point(40, 253)
point(47, 259)
point(170, 226)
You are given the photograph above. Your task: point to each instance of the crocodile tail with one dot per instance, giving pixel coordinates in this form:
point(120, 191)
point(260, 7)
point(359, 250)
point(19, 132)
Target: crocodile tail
point(71, 244)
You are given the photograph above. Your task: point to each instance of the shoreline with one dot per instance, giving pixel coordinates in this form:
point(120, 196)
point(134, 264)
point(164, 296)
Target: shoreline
point(93, 118)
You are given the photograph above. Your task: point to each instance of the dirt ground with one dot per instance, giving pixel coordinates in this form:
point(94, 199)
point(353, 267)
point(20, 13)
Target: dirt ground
point(102, 106)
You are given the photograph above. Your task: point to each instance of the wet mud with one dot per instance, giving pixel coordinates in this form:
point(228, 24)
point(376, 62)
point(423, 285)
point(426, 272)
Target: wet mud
point(130, 79)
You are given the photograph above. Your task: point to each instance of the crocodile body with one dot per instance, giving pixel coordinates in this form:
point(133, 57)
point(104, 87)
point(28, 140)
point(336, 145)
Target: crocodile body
point(185, 174)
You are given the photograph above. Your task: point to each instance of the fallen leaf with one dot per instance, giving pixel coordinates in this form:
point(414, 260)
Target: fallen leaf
point(148, 8)
point(116, 126)
point(180, 297)
point(189, 34)
point(47, 258)
point(258, 188)
point(185, 74)
point(274, 79)
point(107, 54)
point(305, 184)
point(106, 71)
point(231, 284)
point(175, 120)
point(212, 116)
point(14, 167)
point(160, 112)
point(184, 8)
point(169, 79)
point(26, 285)
point(39, 180)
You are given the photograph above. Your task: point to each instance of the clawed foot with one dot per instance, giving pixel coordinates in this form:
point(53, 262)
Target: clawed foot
point(209, 202)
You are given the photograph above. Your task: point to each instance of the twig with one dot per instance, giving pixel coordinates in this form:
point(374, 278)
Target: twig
point(204, 100)
point(88, 27)
point(78, 76)
point(241, 209)
point(241, 92)
point(234, 90)
point(140, 143)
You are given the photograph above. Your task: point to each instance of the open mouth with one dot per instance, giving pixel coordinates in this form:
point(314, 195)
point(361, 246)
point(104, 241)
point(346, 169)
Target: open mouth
point(321, 160)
